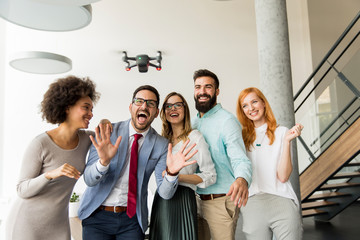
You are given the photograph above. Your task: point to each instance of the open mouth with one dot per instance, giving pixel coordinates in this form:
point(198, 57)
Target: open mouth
point(254, 113)
point(174, 115)
point(142, 117)
point(87, 121)
point(203, 98)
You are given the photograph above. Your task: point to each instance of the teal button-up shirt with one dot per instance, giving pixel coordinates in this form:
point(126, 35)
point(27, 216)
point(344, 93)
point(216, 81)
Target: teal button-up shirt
point(222, 132)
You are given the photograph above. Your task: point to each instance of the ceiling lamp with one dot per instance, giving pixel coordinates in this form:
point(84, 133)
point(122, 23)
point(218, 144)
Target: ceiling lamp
point(46, 17)
point(68, 2)
point(40, 62)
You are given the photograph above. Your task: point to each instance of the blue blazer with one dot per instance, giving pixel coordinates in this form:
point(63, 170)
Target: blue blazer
point(152, 156)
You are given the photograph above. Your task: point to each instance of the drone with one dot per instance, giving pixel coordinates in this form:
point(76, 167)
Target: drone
point(142, 61)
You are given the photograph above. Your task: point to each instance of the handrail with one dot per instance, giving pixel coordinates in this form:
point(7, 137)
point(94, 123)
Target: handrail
point(338, 129)
point(334, 120)
point(347, 30)
point(321, 73)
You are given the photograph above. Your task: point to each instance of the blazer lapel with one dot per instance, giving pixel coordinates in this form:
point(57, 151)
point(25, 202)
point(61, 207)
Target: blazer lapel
point(123, 148)
point(144, 154)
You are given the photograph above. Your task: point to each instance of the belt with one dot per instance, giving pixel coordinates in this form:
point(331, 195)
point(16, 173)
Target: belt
point(210, 196)
point(115, 209)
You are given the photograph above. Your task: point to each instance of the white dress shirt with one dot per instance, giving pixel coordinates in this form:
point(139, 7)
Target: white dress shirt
point(119, 194)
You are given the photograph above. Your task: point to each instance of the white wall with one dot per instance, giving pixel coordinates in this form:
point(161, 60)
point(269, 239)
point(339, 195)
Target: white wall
point(218, 35)
point(328, 20)
point(2, 87)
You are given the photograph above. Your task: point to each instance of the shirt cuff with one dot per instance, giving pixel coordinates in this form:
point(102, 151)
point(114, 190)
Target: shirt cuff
point(171, 178)
point(100, 167)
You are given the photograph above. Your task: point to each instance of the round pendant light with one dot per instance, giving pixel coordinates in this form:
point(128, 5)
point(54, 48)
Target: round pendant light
point(40, 62)
point(68, 2)
point(46, 17)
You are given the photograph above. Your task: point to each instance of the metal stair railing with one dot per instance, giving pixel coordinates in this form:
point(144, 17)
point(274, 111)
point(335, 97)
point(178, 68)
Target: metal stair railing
point(334, 79)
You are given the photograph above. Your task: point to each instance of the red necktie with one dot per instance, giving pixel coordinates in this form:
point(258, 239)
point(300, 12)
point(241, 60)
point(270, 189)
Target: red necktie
point(131, 202)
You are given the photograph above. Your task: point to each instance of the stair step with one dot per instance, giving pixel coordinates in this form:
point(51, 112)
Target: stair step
point(338, 185)
point(328, 195)
point(352, 164)
point(318, 204)
point(312, 212)
point(346, 175)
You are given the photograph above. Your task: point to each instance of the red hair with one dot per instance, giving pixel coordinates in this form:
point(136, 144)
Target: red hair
point(248, 128)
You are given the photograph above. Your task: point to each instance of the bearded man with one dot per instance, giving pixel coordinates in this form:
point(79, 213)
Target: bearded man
point(220, 203)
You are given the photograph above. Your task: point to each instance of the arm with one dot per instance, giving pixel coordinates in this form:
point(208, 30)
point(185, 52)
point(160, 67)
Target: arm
point(240, 163)
point(284, 168)
point(207, 174)
point(190, 178)
point(174, 163)
point(101, 153)
point(166, 187)
point(32, 180)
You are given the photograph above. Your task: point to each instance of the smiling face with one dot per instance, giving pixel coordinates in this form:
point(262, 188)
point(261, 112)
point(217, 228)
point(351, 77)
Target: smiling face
point(142, 116)
point(205, 94)
point(175, 114)
point(80, 114)
point(254, 109)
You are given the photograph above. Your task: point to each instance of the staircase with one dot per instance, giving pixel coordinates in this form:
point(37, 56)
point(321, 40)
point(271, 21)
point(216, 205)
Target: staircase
point(325, 190)
point(328, 105)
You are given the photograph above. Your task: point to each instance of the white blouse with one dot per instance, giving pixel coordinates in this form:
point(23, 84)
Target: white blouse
point(204, 166)
point(265, 159)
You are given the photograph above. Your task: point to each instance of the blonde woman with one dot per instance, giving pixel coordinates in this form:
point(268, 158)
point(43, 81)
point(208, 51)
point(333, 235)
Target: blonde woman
point(177, 218)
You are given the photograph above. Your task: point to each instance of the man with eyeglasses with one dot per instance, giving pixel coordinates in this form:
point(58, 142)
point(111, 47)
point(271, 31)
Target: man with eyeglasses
point(220, 202)
point(114, 205)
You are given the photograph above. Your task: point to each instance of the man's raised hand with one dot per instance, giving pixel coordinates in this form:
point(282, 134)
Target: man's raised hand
point(105, 149)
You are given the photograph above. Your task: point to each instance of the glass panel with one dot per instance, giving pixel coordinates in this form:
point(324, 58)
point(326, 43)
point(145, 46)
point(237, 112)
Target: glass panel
point(330, 109)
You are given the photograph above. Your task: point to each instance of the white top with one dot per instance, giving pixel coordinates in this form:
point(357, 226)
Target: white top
point(265, 159)
point(204, 164)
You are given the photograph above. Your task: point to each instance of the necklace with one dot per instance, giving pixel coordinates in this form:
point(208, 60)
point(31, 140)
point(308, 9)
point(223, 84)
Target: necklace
point(258, 144)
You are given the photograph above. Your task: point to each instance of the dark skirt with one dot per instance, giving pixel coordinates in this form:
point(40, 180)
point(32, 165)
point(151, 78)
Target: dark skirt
point(175, 218)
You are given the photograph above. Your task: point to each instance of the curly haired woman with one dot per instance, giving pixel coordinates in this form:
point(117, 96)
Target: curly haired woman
point(53, 162)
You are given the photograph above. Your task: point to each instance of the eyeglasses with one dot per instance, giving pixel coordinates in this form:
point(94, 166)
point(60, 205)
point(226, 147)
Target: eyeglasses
point(178, 105)
point(140, 101)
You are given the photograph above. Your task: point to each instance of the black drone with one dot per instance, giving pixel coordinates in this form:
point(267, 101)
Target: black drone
point(142, 61)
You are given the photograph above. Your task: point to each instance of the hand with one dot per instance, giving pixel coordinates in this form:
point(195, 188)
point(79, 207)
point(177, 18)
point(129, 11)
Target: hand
point(105, 149)
point(294, 132)
point(176, 162)
point(64, 170)
point(239, 192)
point(106, 122)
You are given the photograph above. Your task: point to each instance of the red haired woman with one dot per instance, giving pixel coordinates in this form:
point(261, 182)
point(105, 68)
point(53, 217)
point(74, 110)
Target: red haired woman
point(273, 207)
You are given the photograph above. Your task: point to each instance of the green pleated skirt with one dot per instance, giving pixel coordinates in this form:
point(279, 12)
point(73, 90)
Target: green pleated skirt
point(176, 218)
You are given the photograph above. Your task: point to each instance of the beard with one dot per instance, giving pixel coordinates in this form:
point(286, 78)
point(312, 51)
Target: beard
point(203, 107)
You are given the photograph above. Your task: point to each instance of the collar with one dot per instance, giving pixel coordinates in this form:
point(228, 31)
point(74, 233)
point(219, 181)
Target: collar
point(212, 111)
point(262, 128)
point(132, 131)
